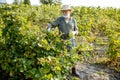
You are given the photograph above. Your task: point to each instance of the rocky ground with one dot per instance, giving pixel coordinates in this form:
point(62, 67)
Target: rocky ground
point(90, 69)
point(85, 71)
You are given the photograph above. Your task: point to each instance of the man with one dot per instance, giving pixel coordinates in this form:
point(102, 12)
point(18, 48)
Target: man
point(66, 25)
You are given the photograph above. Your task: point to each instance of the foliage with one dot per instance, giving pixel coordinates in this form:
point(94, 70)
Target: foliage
point(28, 50)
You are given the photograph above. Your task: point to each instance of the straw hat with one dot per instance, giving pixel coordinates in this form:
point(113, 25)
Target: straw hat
point(65, 7)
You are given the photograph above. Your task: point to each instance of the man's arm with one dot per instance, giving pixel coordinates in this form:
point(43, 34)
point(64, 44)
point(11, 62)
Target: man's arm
point(53, 24)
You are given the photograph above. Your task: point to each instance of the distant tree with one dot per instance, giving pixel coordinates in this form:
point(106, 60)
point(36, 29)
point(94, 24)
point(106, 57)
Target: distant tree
point(50, 1)
point(27, 2)
point(16, 2)
point(21, 1)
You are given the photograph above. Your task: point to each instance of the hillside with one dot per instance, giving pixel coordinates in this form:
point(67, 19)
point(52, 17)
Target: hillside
point(28, 51)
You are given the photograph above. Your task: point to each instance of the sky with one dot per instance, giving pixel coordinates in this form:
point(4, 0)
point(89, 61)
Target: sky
point(94, 3)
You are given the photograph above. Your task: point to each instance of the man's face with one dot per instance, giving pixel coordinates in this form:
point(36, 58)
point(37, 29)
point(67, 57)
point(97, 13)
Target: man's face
point(66, 13)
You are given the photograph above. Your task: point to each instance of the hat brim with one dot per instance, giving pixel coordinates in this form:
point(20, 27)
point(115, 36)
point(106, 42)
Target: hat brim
point(65, 9)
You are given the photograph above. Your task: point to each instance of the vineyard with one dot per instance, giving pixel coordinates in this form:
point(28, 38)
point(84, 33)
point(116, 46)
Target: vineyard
point(28, 51)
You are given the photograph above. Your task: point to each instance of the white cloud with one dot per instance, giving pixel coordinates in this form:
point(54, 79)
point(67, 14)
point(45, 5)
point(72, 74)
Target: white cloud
point(2, 1)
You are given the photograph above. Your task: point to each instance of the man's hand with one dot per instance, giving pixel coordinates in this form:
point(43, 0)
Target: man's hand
point(75, 32)
point(49, 27)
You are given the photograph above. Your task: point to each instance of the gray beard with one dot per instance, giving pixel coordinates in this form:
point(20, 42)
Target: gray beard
point(66, 16)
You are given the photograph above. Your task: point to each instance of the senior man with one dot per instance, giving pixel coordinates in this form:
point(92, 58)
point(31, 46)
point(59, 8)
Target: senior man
point(66, 25)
